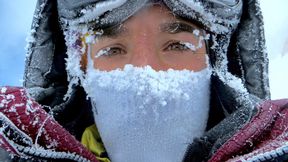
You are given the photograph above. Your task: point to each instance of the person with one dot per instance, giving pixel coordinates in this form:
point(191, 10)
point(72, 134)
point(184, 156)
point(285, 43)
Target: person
point(144, 80)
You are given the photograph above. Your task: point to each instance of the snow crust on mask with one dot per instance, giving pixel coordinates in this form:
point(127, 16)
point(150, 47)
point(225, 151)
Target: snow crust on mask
point(162, 84)
point(152, 115)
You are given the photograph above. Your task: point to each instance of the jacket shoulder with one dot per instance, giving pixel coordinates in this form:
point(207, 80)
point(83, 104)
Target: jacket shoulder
point(263, 138)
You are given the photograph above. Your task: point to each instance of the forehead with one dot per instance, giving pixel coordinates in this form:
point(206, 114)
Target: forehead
point(155, 16)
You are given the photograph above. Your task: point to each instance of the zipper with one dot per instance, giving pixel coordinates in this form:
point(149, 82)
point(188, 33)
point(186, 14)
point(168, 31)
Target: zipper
point(269, 155)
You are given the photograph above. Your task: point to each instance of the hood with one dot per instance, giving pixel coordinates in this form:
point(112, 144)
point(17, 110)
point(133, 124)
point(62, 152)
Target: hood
point(236, 50)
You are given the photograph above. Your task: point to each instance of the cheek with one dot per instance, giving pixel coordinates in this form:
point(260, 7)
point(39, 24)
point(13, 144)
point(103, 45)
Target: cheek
point(108, 64)
point(189, 61)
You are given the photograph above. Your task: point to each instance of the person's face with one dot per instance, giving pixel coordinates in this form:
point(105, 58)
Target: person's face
point(153, 36)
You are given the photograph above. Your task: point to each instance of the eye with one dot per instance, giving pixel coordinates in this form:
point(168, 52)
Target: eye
point(176, 46)
point(110, 51)
point(115, 51)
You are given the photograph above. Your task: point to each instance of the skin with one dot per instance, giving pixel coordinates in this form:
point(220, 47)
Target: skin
point(145, 39)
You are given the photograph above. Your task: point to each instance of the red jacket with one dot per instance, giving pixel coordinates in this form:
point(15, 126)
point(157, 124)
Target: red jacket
point(29, 132)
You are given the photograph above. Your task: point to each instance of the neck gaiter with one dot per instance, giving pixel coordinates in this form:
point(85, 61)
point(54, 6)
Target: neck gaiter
point(146, 115)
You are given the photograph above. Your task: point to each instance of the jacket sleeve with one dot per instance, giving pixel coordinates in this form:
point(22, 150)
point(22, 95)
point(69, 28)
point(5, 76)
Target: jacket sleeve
point(29, 132)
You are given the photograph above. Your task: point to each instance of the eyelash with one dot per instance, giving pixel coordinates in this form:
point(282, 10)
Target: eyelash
point(115, 51)
point(176, 46)
point(111, 51)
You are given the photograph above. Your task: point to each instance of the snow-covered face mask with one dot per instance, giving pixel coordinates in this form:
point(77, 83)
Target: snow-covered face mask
point(146, 115)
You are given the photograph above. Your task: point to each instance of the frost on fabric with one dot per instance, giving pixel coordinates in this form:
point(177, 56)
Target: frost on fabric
point(3, 90)
point(35, 24)
point(75, 51)
point(242, 95)
point(74, 37)
point(31, 44)
point(219, 18)
point(13, 128)
point(263, 49)
point(220, 69)
point(6, 99)
point(39, 93)
point(275, 148)
point(154, 109)
point(161, 82)
point(93, 12)
point(25, 130)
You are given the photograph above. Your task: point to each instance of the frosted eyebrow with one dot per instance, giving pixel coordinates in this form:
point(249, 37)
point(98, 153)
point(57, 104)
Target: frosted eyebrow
point(176, 27)
point(114, 31)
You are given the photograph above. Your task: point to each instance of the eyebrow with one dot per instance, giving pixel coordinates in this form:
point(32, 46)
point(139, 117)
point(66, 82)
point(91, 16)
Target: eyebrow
point(114, 31)
point(176, 27)
point(172, 28)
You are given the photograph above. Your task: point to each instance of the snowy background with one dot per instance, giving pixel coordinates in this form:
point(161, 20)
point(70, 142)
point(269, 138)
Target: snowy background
point(16, 17)
point(276, 31)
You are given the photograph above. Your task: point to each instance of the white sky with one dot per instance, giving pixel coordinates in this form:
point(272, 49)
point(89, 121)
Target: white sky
point(16, 16)
point(15, 19)
point(276, 31)
point(276, 25)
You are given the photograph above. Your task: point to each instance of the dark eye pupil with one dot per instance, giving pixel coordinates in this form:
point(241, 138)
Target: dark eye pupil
point(178, 46)
point(115, 51)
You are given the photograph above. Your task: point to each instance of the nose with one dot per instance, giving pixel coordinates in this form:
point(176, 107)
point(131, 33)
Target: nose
point(144, 55)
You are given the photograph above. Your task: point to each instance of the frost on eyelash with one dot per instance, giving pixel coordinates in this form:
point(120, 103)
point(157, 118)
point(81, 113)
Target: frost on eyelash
point(189, 45)
point(196, 32)
point(92, 36)
point(102, 52)
point(201, 38)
